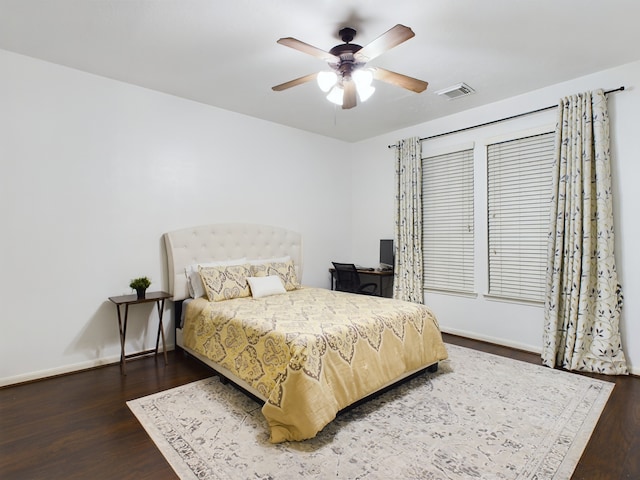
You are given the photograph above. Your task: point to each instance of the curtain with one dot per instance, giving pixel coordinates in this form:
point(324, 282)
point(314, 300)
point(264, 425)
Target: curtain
point(407, 281)
point(583, 298)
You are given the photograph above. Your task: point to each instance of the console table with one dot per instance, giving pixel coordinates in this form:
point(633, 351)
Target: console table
point(126, 300)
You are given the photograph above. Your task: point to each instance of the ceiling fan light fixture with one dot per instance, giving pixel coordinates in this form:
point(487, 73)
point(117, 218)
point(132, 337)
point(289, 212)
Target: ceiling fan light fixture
point(326, 80)
point(365, 92)
point(363, 77)
point(336, 95)
point(350, 79)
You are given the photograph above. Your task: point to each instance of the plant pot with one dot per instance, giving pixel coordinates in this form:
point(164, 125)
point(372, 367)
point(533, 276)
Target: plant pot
point(141, 292)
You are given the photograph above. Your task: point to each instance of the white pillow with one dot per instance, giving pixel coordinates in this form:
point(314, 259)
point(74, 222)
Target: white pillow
point(265, 286)
point(260, 261)
point(192, 272)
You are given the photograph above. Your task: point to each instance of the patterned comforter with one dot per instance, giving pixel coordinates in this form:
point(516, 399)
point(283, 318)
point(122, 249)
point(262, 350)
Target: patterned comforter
point(312, 352)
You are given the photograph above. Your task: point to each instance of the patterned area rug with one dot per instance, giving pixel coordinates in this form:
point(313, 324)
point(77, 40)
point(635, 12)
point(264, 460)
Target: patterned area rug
point(479, 417)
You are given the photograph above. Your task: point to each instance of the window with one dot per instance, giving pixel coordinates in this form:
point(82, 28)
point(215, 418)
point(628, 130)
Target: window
point(447, 209)
point(519, 191)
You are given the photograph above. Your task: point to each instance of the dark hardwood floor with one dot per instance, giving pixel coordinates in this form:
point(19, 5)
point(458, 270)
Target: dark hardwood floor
point(78, 426)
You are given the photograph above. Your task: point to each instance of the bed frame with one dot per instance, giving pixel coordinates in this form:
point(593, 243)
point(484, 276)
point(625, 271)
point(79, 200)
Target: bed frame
point(209, 243)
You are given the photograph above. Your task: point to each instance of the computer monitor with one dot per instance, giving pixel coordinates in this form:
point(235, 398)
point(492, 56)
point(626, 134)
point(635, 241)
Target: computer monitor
point(386, 254)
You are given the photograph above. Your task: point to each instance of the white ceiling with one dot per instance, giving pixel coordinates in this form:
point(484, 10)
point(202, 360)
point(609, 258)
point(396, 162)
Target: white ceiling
point(224, 52)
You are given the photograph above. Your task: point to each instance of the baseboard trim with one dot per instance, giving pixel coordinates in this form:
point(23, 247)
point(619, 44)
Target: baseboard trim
point(64, 370)
point(101, 362)
point(494, 340)
point(506, 343)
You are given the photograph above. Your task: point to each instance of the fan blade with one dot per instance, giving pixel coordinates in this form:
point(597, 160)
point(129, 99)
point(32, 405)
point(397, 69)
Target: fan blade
point(308, 49)
point(389, 39)
point(294, 83)
point(349, 99)
point(400, 80)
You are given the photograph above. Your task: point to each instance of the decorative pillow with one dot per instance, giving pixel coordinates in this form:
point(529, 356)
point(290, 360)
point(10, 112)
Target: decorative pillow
point(265, 286)
point(225, 282)
point(285, 270)
point(194, 282)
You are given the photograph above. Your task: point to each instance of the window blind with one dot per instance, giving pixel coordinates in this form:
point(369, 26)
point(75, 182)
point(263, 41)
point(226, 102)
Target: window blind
point(447, 210)
point(519, 191)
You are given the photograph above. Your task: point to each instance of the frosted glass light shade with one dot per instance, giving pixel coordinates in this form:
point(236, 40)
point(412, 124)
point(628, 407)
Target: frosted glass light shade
point(335, 95)
point(365, 92)
point(363, 78)
point(326, 80)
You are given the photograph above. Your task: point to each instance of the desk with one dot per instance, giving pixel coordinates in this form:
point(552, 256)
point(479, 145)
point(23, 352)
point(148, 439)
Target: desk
point(126, 300)
point(376, 276)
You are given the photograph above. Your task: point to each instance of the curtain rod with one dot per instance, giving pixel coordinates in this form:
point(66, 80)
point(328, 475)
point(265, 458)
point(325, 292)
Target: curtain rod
point(619, 89)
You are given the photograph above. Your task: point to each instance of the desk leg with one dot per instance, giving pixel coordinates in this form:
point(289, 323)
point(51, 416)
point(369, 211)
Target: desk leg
point(122, 328)
point(160, 305)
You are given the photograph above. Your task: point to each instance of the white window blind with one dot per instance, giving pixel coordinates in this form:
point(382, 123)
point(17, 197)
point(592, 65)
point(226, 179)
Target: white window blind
point(447, 209)
point(519, 191)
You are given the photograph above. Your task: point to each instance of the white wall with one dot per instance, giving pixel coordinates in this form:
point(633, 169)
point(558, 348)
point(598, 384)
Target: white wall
point(500, 322)
point(94, 171)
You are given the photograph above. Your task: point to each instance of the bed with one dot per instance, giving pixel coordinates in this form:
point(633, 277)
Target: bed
point(305, 352)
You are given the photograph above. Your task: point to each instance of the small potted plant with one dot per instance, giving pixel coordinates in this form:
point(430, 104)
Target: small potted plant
point(140, 285)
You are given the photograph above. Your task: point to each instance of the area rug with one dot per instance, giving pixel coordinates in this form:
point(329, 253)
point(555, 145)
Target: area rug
point(480, 416)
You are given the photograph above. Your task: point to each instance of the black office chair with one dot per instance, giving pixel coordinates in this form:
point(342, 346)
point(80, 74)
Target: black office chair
point(348, 280)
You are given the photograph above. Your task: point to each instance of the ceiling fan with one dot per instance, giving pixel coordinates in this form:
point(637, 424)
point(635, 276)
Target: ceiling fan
point(349, 78)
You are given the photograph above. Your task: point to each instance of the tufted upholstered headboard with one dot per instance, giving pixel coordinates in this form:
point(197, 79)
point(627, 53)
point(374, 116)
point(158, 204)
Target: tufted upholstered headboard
point(226, 241)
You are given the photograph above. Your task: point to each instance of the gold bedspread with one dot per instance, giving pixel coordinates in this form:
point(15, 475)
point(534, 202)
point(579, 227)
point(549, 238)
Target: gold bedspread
point(312, 352)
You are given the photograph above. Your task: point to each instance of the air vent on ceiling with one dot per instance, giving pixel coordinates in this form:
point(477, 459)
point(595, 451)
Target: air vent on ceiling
point(456, 91)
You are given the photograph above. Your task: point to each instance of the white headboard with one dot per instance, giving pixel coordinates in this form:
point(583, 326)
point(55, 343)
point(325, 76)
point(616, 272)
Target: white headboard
point(226, 241)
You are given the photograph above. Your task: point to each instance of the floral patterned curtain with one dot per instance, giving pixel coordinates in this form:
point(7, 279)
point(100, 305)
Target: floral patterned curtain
point(583, 297)
point(407, 282)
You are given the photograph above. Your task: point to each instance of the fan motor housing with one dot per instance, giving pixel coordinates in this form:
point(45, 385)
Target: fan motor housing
point(345, 48)
point(345, 52)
